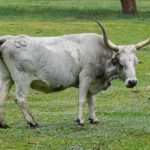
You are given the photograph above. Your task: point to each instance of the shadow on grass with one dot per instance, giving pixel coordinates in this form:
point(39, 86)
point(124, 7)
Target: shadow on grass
point(54, 13)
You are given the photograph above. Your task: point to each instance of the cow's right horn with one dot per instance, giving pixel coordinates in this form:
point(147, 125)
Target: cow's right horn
point(108, 43)
point(142, 44)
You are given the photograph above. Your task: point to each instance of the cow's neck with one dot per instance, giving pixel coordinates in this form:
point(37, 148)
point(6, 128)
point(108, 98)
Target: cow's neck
point(111, 73)
point(110, 69)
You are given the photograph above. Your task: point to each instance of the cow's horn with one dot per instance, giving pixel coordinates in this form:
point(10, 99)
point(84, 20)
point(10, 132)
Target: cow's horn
point(108, 43)
point(142, 44)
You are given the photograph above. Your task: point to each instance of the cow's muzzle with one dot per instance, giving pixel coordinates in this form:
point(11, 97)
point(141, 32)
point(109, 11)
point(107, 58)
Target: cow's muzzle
point(130, 83)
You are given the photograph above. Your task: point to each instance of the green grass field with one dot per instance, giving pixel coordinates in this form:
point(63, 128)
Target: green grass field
point(124, 114)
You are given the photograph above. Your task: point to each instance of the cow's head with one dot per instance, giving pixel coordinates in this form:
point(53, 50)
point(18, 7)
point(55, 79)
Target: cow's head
point(124, 59)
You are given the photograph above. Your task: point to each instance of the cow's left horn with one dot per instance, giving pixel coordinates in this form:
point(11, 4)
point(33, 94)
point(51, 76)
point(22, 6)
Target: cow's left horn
point(142, 44)
point(108, 43)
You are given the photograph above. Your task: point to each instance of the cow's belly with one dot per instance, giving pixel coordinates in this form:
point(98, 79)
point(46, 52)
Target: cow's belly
point(41, 86)
point(44, 87)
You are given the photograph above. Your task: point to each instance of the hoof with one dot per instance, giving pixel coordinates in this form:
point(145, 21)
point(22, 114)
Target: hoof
point(33, 126)
point(4, 126)
point(79, 122)
point(94, 121)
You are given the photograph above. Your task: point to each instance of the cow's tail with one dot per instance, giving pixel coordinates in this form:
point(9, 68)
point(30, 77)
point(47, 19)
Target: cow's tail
point(4, 71)
point(2, 41)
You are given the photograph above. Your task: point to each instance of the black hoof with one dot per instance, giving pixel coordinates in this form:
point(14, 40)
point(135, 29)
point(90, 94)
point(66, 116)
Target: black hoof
point(4, 126)
point(33, 126)
point(94, 122)
point(79, 122)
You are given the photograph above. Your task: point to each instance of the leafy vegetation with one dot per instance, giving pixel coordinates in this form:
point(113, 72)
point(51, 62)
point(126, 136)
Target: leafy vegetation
point(124, 114)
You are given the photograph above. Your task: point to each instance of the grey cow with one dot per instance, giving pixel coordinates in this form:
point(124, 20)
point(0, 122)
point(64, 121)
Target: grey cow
point(87, 61)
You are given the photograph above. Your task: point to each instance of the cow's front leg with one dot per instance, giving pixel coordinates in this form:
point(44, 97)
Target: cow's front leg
point(4, 90)
point(83, 90)
point(91, 103)
point(80, 118)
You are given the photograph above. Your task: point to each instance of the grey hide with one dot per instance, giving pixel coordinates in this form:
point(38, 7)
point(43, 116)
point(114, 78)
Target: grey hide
point(51, 64)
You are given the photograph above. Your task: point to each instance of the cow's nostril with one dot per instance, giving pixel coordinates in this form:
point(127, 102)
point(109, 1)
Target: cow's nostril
point(132, 83)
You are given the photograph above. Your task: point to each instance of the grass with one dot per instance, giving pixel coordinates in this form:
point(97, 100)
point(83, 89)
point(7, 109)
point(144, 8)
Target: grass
point(124, 114)
point(63, 10)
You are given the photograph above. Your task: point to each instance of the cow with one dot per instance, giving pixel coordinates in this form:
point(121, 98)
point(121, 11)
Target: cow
point(87, 61)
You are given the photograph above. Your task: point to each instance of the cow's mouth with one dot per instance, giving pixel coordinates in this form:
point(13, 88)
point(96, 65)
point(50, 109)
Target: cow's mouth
point(130, 86)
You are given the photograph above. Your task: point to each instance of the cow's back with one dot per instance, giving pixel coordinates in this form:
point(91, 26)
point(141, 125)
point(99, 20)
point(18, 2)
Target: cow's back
point(53, 61)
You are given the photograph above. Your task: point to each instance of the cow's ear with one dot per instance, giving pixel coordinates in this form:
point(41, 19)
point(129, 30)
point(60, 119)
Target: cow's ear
point(114, 61)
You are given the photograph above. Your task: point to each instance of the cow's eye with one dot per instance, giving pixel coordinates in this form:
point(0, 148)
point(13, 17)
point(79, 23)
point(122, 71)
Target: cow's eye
point(114, 61)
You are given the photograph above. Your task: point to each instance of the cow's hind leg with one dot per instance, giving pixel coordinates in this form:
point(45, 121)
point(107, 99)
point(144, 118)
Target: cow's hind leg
point(21, 101)
point(22, 89)
point(91, 103)
point(5, 85)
